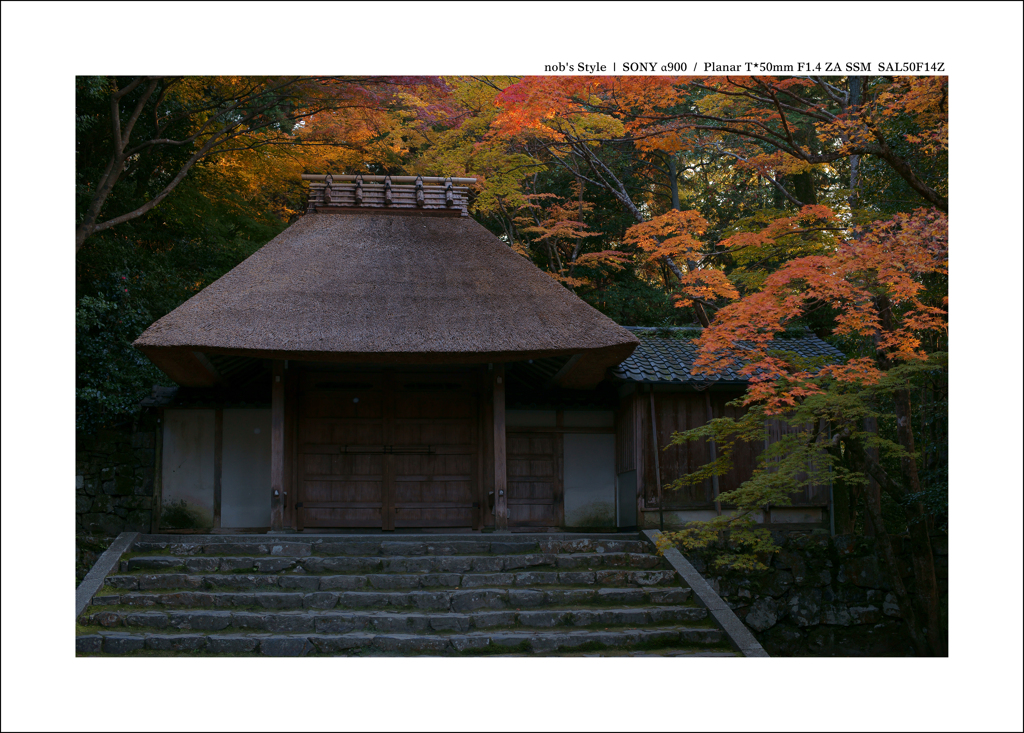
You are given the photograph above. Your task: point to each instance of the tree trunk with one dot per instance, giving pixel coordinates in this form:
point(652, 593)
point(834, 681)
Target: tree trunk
point(883, 543)
point(673, 175)
point(926, 588)
point(845, 495)
point(871, 426)
point(873, 517)
point(856, 87)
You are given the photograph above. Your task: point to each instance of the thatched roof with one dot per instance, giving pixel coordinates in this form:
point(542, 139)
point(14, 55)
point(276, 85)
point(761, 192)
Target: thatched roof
point(383, 288)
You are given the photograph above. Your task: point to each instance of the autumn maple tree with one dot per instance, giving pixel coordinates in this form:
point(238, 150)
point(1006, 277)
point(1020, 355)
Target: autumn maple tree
point(789, 133)
point(140, 137)
point(818, 161)
point(875, 283)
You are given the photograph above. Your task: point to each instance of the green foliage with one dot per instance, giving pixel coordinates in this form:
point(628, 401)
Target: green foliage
point(112, 376)
point(629, 300)
point(786, 466)
point(132, 275)
point(812, 450)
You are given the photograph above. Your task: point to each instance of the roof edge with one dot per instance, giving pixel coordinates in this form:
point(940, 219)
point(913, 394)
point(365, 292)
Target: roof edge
point(184, 364)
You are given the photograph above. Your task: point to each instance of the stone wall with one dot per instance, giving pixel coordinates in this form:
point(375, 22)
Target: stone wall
point(115, 469)
point(824, 596)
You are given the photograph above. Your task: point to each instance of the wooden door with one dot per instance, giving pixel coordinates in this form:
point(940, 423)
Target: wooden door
point(435, 457)
point(341, 451)
point(387, 451)
point(534, 464)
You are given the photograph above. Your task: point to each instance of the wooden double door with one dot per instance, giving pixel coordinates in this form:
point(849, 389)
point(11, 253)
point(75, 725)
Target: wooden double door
point(388, 450)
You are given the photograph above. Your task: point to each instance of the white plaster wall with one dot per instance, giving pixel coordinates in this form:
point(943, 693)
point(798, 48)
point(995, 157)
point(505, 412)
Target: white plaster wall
point(245, 471)
point(589, 480)
point(187, 470)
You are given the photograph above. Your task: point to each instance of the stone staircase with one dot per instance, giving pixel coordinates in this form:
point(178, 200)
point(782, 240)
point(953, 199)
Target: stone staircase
point(338, 595)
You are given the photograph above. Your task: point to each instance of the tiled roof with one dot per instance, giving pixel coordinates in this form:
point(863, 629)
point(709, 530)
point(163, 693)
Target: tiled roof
point(670, 361)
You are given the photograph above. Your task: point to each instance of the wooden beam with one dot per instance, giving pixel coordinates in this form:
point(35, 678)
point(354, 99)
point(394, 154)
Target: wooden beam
point(208, 366)
point(183, 365)
point(588, 369)
point(500, 476)
point(277, 447)
point(556, 380)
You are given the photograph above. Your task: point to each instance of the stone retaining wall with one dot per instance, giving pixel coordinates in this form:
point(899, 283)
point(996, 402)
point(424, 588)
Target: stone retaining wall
point(824, 596)
point(114, 473)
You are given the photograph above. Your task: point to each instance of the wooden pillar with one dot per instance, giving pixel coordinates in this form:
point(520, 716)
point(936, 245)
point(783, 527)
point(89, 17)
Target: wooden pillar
point(277, 447)
point(389, 406)
point(218, 463)
point(291, 430)
point(500, 488)
point(657, 462)
point(487, 493)
point(636, 410)
point(158, 473)
point(714, 454)
point(479, 430)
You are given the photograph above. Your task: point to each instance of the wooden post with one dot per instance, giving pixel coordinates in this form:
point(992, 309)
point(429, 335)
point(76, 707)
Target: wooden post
point(218, 463)
point(487, 443)
point(657, 464)
point(714, 455)
point(291, 413)
point(158, 470)
point(636, 407)
point(500, 482)
point(277, 447)
point(480, 515)
point(387, 508)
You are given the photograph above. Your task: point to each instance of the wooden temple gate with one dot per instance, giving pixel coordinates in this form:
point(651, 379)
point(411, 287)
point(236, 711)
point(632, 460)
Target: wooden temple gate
point(388, 450)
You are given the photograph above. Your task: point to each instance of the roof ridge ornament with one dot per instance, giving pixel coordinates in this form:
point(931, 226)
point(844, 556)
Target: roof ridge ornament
point(449, 197)
point(419, 191)
point(425, 195)
point(325, 199)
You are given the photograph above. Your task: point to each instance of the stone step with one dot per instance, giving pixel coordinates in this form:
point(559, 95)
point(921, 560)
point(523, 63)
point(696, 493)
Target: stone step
point(462, 600)
point(339, 546)
point(479, 642)
point(399, 564)
point(385, 581)
point(336, 622)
